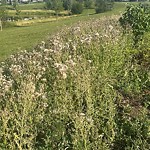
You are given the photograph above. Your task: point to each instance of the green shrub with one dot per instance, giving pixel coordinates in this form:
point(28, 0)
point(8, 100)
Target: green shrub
point(67, 4)
point(3, 13)
point(77, 8)
point(136, 18)
point(7, 24)
point(103, 5)
point(88, 3)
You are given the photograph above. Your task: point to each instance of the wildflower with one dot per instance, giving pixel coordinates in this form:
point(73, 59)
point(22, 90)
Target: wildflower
point(57, 65)
point(44, 79)
point(97, 34)
point(110, 27)
point(71, 63)
point(37, 94)
point(89, 119)
point(64, 75)
point(62, 68)
point(106, 36)
point(73, 47)
point(31, 87)
point(70, 57)
point(16, 69)
point(90, 61)
point(43, 96)
point(43, 42)
point(82, 114)
point(43, 69)
point(34, 62)
point(45, 105)
point(38, 76)
point(46, 50)
point(76, 30)
point(25, 51)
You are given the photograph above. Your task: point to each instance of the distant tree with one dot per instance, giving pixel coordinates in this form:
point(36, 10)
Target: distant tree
point(1, 25)
point(80, 1)
point(133, 0)
point(88, 3)
point(77, 8)
point(67, 4)
point(3, 2)
point(3, 13)
point(56, 5)
point(49, 4)
point(103, 5)
point(10, 2)
point(16, 7)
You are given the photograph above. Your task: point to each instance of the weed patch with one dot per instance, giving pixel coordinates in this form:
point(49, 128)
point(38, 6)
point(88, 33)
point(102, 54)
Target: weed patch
point(77, 90)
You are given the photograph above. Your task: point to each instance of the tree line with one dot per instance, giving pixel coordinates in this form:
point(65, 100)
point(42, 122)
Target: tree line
point(73, 6)
point(77, 6)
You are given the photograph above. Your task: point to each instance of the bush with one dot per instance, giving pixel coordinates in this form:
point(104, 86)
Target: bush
point(88, 3)
point(136, 18)
point(7, 24)
point(101, 8)
point(77, 8)
point(67, 4)
point(103, 5)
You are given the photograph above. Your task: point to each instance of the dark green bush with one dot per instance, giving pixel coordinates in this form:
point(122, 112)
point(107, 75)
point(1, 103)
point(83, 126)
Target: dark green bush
point(67, 4)
point(77, 8)
point(7, 24)
point(136, 18)
point(88, 3)
point(103, 5)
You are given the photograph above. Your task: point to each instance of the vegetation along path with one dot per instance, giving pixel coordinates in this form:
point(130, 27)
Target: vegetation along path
point(85, 87)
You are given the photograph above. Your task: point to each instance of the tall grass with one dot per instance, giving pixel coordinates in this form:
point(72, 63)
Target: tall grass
point(81, 89)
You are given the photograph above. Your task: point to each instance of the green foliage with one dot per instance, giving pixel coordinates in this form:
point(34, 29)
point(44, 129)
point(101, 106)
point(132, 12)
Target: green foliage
point(77, 8)
point(49, 4)
point(3, 11)
point(16, 7)
point(56, 5)
point(67, 4)
point(136, 18)
point(88, 3)
point(3, 2)
point(3, 14)
point(103, 5)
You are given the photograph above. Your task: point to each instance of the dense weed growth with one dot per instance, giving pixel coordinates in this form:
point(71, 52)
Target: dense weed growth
point(82, 89)
point(136, 18)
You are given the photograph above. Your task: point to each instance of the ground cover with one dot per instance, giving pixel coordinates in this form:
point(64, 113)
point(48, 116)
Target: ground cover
point(81, 89)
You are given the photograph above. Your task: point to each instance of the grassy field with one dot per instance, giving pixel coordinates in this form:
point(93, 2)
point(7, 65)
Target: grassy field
point(19, 38)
